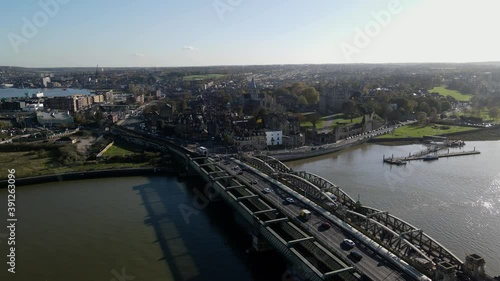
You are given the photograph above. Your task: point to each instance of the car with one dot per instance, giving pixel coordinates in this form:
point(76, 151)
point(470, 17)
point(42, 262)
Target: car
point(236, 168)
point(349, 242)
point(266, 190)
point(356, 255)
point(253, 182)
point(325, 225)
point(240, 173)
point(289, 200)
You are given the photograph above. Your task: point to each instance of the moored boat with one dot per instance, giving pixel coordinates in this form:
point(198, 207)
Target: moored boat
point(430, 157)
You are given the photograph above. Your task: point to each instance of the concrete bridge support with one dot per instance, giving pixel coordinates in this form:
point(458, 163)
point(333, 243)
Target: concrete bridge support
point(474, 265)
point(260, 244)
point(445, 272)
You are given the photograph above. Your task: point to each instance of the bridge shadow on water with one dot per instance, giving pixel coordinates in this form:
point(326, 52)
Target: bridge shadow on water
point(211, 244)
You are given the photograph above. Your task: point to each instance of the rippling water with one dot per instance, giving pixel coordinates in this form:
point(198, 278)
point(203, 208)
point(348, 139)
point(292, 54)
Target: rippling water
point(454, 200)
point(105, 229)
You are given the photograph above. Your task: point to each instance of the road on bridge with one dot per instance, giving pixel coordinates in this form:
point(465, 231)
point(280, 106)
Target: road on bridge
point(372, 265)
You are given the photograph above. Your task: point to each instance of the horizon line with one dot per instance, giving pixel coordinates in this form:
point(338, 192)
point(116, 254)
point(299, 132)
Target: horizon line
point(246, 65)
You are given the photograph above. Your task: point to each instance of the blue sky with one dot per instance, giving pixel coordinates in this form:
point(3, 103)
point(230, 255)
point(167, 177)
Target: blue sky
point(234, 32)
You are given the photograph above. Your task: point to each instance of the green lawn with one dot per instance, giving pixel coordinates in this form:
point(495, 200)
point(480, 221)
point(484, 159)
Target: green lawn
point(343, 121)
point(446, 92)
point(121, 149)
point(417, 131)
point(202, 77)
point(306, 124)
point(331, 121)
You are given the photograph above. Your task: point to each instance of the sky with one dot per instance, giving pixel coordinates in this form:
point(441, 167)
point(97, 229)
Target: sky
point(157, 33)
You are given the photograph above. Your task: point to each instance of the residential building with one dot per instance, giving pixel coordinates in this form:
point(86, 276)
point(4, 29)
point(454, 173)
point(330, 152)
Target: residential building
point(12, 105)
point(274, 138)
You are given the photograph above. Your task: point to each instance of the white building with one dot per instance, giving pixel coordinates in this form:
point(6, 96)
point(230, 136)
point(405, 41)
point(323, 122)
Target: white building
point(274, 137)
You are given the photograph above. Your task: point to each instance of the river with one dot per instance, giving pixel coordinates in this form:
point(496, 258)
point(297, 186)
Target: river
point(129, 229)
point(14, 92)
point(454, 200)
point(105, 229)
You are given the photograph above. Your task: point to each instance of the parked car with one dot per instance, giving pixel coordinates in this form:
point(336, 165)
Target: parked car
point(266, 190)
point(290, 200)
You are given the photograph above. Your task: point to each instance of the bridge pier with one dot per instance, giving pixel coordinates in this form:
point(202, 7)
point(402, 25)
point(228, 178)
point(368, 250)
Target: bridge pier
point(445, 272)
point(211, 192)
point(260, 244)
point(474, 265)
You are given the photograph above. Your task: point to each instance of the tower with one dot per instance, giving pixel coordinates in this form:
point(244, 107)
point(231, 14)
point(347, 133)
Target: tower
point(252, 90)
point(96, 77)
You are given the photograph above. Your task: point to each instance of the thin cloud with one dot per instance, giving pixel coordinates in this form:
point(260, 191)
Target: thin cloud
point(138, 55)
point(189, 48)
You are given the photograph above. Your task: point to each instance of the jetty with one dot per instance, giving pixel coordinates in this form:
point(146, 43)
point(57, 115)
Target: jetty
point(431, 153)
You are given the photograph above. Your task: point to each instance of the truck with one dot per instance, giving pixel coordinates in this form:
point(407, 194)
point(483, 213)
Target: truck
point(305, 214)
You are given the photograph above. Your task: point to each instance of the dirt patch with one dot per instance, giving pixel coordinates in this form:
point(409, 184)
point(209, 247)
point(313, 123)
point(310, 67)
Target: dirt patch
point(83, 144)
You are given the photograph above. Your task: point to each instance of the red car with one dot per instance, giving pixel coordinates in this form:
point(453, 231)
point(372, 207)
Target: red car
point(324, 225)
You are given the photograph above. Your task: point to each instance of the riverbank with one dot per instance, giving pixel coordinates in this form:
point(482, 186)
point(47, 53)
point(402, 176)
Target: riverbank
point(91, 175)
point(291, 156)
point(480, 134)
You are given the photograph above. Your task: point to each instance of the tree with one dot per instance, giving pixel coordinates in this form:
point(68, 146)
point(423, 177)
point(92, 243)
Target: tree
point(302, 101)
point(445, 105)
point(313, 118)
point(4, 125)
point(349, 108)
point(494, 112)
point(311, 95)
point(433, 114)
point(422, 118)
point(424, 107)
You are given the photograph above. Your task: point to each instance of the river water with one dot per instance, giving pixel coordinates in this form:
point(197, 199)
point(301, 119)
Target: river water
point(123, 228)
point(454, 200)
point(14, 92)
point(112, 228)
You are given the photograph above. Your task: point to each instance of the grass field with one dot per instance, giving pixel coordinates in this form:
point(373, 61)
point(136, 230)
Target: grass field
point(343, 121)
point(202, 77)
point(456, 94)
point(308, 124)
point(121, 149)
point(417, 131)
point(331, 121)
point(28, 164)
point(485, 115)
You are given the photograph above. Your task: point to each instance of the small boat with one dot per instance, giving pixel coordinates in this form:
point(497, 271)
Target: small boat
point(430, 157)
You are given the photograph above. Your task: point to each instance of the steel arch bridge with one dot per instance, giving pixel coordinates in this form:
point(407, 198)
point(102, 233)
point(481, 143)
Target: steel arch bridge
point(260, 165)
point(376, 221)
point(303, 185)
point(275, 163)
point(327, 186)
point(391, 232)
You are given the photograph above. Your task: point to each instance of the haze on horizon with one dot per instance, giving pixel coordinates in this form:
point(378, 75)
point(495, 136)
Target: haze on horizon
point(133, 33)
